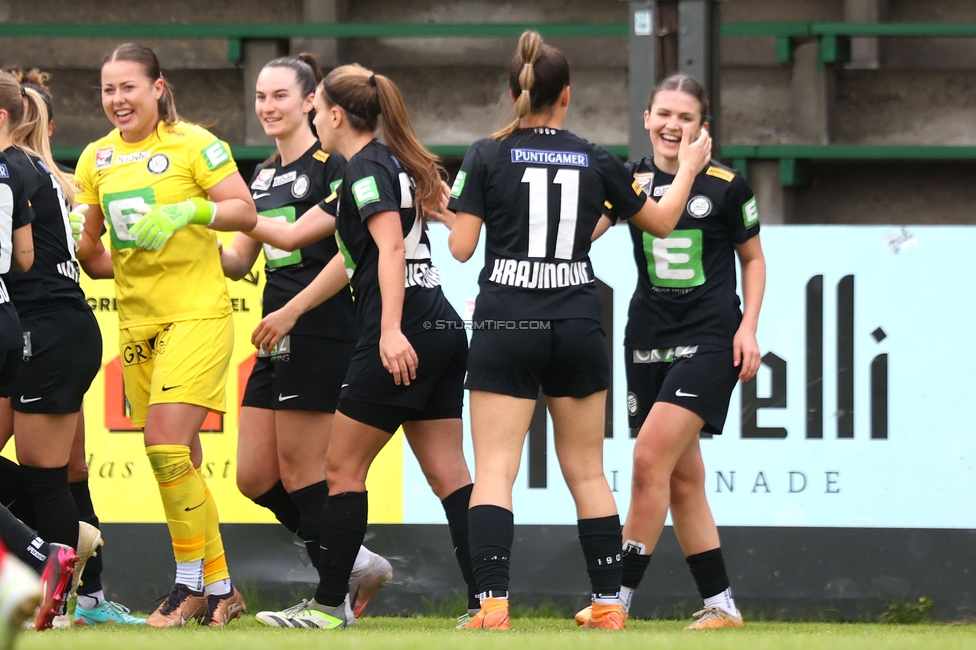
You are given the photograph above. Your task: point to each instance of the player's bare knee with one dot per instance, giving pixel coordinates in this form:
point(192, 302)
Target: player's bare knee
point(250, 484)
point(646, 463)
point(77, 470)
point(345, 479)
point(648, 479)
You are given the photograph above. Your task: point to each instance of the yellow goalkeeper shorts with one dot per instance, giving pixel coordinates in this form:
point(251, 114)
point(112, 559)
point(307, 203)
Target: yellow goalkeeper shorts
point(186, 362)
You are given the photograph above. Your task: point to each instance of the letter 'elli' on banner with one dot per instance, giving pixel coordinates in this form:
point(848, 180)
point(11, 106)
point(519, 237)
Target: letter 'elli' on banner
point(751, 403)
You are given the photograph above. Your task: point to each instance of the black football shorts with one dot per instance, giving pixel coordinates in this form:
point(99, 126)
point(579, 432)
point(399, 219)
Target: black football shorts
point(566, 359)
point(699, 378)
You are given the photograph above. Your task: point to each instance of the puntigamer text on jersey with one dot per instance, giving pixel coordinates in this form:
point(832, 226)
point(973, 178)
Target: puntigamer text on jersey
point(550, 157)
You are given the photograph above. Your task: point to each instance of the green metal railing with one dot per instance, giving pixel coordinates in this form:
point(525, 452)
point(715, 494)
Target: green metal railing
point(794, 158)
point(835, 37)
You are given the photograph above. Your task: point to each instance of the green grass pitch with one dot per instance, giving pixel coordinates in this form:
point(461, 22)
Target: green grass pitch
point(428, 633)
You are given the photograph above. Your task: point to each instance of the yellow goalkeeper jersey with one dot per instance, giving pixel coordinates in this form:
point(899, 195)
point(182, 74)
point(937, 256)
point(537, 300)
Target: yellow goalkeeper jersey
point(183, 280)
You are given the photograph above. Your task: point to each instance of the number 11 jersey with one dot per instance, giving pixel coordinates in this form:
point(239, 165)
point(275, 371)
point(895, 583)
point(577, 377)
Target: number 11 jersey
point(540, 193)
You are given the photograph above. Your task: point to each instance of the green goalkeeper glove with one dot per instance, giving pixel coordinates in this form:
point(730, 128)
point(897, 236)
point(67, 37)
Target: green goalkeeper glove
point(76, 218)
point(159, 222)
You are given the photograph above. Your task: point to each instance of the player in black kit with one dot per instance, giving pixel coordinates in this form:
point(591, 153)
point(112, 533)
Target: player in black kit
point(61, 343)
point(539, 191)
point(304, 341)
point(686, 344)
point(16, 240)
point(53, 259)
point(408, 367)
point(22, 112)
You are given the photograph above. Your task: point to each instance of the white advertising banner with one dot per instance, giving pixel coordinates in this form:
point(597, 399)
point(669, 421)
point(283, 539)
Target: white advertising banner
point(863, 412)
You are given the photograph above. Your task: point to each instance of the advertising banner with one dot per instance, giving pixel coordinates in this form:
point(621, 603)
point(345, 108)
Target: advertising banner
point(861, 415)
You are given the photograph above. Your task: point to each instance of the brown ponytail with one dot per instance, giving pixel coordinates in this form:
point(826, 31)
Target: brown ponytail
point(146, 58)
point(364, 96)
point(536, 77)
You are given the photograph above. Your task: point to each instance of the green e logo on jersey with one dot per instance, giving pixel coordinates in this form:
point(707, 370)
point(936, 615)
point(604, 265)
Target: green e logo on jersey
point(120, 208)
point(675, 262)
point(276, 257)
point(365, 191)
point(750, 213)
point(215, 155)
point(458, 186)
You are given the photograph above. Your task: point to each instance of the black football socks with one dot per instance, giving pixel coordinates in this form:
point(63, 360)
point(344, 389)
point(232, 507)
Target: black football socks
point(343, 530)
point(491, 531)
point(456, 510)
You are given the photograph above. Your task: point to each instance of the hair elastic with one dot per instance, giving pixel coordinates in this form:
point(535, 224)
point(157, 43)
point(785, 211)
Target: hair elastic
point(333, 101)
point(372, 80)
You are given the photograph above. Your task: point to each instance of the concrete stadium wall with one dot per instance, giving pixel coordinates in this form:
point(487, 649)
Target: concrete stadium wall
point(776, 573)
point(907, 91)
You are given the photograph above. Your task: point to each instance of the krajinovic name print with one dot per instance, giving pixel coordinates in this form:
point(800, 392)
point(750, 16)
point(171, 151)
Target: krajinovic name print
point(540, 275)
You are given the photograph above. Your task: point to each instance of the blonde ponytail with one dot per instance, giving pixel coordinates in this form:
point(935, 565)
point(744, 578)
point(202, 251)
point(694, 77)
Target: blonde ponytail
point(30, 136)
point(536, 77)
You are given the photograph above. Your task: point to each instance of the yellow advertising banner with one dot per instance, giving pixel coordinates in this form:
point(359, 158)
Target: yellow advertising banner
point(121, 480)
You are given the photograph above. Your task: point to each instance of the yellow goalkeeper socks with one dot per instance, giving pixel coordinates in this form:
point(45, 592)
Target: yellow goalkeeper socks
point(215, 571)
point(184, 502)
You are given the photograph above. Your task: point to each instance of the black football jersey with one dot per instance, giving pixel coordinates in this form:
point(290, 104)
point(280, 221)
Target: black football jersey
point(375, 181)
point(686, 287)
point(52, 281)
point(15, 213)
point(286, 192)
point(540, 193)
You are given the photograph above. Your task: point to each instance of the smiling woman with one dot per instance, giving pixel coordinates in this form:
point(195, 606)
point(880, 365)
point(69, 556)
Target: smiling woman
point(308, 331)
point(154, 178)
point(134, 94)
point(687, 343)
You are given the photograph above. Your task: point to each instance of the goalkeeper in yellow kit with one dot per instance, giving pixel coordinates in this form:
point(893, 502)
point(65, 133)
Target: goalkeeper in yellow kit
point(163, 185)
